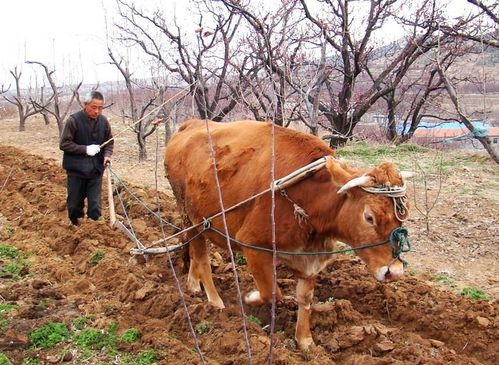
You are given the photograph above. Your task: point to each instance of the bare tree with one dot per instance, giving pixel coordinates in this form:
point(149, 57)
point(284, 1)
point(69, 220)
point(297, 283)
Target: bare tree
point(25, 107)
point(416, 97)
point(480, 26)
point(54, 104)
point(482, 138)
point(269, 57)
point(201, 59)
point(342, 92)
point(142, 127)
point(426, 206)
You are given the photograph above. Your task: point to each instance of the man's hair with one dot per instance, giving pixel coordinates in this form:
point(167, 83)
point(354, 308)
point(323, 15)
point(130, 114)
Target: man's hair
point(93, 95)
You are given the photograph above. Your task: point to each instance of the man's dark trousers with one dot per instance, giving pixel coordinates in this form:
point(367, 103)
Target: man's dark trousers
point(80, 188)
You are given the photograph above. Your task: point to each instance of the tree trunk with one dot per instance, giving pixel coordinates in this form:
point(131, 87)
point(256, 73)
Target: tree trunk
point(46, 118)
point(485, 141)
point(60, 126)
point(391, 126)
point(168, 131)
point(22, 124)
point(343, 125)
point(142, 146)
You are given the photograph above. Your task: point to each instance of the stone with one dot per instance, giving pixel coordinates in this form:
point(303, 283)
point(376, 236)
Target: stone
point(384, 346)
point(353, 336)
point(436, 343)
point(482, 321)
point(39, 283)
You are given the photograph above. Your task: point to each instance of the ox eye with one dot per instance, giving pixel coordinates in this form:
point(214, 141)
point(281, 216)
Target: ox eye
point(369, 218)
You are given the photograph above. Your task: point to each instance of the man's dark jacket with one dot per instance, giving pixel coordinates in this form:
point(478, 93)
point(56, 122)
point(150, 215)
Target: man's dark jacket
point(79, 132)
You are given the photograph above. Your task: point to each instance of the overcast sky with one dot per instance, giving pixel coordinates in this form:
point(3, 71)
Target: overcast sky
point(68, 35)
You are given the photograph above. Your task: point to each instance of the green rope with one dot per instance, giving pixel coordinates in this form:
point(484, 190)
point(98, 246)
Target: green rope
point(398, 234)
point(401, 235)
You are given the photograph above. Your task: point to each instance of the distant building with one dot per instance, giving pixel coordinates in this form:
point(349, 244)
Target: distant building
point(454, 135)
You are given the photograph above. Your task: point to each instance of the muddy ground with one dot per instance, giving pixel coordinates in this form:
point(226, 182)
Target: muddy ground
point(413, 321)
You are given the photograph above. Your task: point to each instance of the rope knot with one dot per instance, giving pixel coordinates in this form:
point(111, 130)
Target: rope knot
point(300, 213)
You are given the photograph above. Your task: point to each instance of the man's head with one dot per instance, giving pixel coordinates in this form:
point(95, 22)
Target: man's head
point(93, 104)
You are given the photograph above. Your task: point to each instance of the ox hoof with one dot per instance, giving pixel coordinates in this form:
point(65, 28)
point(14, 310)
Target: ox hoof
point(305, 343)
point(253, 298)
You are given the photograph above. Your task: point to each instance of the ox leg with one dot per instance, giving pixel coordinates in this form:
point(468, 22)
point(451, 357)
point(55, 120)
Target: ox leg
point(260, 266)
point(200, 271)
point(304, 296)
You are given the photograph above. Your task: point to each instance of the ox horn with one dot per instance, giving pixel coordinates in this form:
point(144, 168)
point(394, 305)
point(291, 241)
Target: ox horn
point(358, 181)
point(406, 174)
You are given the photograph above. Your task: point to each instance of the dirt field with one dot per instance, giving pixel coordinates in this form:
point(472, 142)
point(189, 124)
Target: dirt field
point(419, 320)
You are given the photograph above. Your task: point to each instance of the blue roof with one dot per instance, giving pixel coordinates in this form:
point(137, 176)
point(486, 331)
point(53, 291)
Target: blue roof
point(443, 125)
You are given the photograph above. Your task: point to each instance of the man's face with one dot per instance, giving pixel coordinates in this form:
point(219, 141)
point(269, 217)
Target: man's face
point(94, 108)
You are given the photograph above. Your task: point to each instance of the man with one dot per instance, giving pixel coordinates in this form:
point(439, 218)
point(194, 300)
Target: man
point(84, 160)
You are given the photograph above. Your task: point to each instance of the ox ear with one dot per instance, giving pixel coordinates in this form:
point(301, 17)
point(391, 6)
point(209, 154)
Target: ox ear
point(342, 177)
point(407, 174)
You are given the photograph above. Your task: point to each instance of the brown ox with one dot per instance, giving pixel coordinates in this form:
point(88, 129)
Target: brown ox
point(243, 161)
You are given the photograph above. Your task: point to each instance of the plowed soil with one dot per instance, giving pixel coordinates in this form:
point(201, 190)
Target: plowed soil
point(356, 320)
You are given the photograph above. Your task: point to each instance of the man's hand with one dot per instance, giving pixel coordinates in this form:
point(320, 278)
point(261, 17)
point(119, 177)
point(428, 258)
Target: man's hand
point(93, 149)
point(107, 161)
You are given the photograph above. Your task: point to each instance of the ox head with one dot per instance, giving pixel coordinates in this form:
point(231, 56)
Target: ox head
point(370, 214)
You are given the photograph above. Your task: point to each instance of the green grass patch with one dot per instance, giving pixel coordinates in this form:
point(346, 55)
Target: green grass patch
point(147, 357)
point(445, 279)
point(203, 327)
point(371, 154)
point(81, 322)
point(90, 338)
point(131, 335)
point(96, 257)
point(10, 253)
point(14, 264)
point(4, 309)
point(49, 335)
point(4, 360)
point(95, 339)
point(31, 361)
point(474, 293)
point(254, 319)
